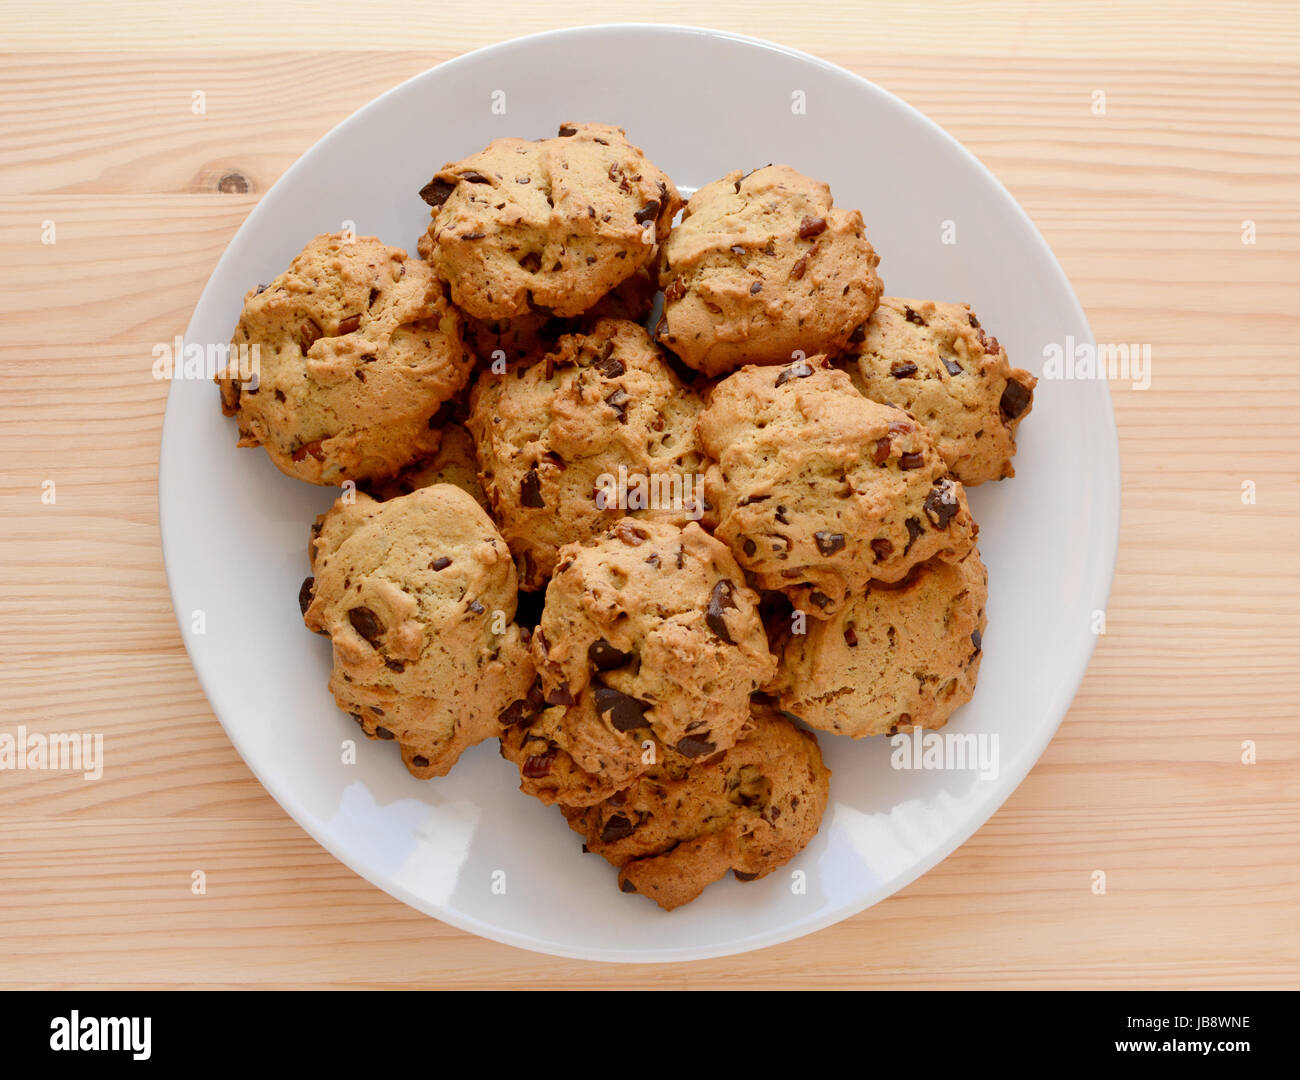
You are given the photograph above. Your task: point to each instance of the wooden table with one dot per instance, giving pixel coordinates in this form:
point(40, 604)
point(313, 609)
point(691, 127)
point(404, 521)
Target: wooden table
point(1144, 205)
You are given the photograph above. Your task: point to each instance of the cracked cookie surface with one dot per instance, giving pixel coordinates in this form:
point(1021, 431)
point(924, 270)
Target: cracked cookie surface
point(417, 595)
point(678, 829)
point(762, 265)
point(938, 363)
point(549, 226)
point(553, 435)
point(648, 632)
point(893, 657)
point(818, 490)
point(358, 347)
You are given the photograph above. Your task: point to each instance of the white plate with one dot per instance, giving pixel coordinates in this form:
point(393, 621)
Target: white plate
point(235, 530)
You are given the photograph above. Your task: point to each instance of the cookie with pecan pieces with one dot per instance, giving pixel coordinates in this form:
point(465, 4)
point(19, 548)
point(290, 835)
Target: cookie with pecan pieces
point(679, 827)
point(648, 633)
point(818, 489)
point(418, 595)
point(357, 347)
point(549, 226)
point(938, 363)
point(599, 428)
point(763, 266)
point(893, 657)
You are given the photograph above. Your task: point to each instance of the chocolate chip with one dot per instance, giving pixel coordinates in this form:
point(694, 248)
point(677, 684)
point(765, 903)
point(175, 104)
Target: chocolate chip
point(419, 761)
point(350, 325)
point(615, 828)
point(366, 623)
point(305, 594)
point(881, 453)
point(436, 192)
point(749, 546)
point(780, 515)
point(604, 657)
point(976, 639)
point(608, 364)
point(530, 490)
point(475, 177)
point(850, 637)
point(566, 131)
point(913, 317)
point(618, 402)
point(810, 227)
point(539, 765)
point(626, 886)
point(476, 607)
point(798, 370)
point(694, 746)
point(914, 530)
point(819, 598)
point(828, 543)
point(1015, 399)
point(384, 733)
point(561, 695)
point(720, 600)
point(941, 504)
point(440, 563)
point(859, 334)
point(625, 713)
point(260, 289)
point(527, 707)
point(756, 288)
point(309, 333)
point(532, 262)
point(902, 369)
point(648, 212)
point(798, 270)
point(395, 665)
point(953, 367)
point(882, 548)
point(911, 461)
point(742, 876)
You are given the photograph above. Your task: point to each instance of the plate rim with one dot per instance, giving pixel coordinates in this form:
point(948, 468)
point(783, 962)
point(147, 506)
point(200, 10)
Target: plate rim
point(985, 811)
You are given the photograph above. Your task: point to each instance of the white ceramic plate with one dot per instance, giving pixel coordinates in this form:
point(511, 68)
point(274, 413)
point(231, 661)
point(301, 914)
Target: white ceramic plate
point(235, 530)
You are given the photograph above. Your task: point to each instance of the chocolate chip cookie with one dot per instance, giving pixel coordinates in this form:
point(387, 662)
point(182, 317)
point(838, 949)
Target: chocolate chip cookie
point(762, 266)
point(599, 428)
point(893, 657)
point(818, 489)
point(418, 595)
point(677, 829)
point(938, 363)
point(548, 226)
point(357, 348)
point(648, 631)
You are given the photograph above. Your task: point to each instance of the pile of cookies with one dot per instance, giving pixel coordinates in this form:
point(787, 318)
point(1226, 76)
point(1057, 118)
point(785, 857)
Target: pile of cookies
point(645, 562)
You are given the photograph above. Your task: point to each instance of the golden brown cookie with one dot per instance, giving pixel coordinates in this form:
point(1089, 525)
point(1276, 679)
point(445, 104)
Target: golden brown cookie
point(418, 595)
point(680, 827)
point(648, 632)
point(818, 490)
point(454, 463)
point(549, 226)
point(599, 428)
point(761, 267)
point(358, 347)
point(936, 361)
point(893, 657)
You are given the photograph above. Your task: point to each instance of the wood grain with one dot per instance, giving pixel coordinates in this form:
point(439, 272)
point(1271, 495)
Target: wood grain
point(1144, 208)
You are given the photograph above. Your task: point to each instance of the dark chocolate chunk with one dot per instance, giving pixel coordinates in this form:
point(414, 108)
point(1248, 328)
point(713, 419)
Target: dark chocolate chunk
point(538, 765)
point(615, 828)
point(626, 713)
point(720, 600)
point(941, 504)
point(911, 461)
point(828, 543)
point(798, 370)
point(902, 369)
point(1015, 399)
point(350, 325)
point(366, 623)
point(604, 657)
point(530, 490)
point(436, 192)
point(305, 594)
